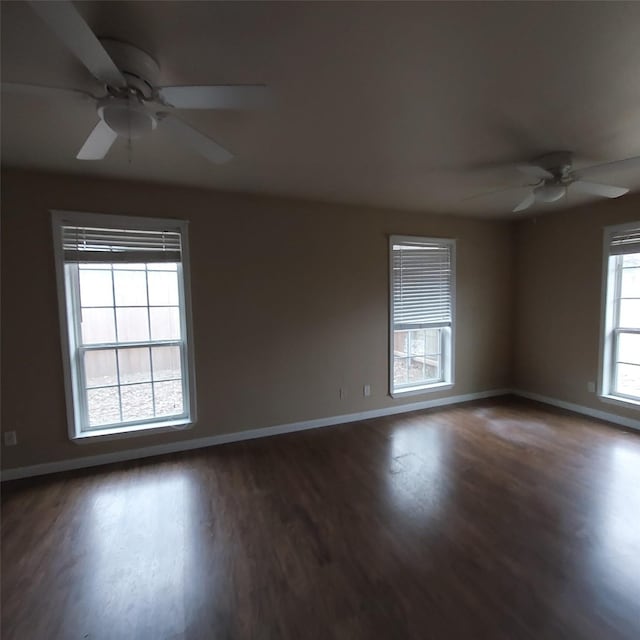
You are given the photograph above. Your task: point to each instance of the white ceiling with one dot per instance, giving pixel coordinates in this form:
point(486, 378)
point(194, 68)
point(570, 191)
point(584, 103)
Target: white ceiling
point(407, 105)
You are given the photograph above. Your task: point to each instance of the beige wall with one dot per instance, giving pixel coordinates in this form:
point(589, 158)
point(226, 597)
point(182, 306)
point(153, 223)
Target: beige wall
point(557, 318)
point(290, 303)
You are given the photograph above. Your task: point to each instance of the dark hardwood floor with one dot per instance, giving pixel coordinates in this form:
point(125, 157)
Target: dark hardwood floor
point(500, 519)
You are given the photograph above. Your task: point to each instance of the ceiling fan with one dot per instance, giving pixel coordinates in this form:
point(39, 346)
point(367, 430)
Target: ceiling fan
point(133, 104)
point(554, 175)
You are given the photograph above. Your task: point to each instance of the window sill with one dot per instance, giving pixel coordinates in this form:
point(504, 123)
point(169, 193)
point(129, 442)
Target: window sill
point(426, 388)
point(620, 401)
point(132, 431)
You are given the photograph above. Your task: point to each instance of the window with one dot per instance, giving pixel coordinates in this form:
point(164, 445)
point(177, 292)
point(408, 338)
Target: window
point(620, 375)
point(124, 316)
point(422, 311)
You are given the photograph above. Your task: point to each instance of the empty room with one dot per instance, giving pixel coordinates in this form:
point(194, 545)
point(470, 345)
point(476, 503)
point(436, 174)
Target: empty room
point(320, 320)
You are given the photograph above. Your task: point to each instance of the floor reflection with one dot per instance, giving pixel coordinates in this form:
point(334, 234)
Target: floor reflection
point(619, 535)
point(416, 482)
point(137, 537)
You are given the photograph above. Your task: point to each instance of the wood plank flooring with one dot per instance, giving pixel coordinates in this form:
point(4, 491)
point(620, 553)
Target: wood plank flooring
point(497, 520)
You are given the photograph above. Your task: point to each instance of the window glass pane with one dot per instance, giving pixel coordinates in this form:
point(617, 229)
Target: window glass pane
point(433, 339)
point(400, 371)
point(103, 406)
point(631, 260)
point(168, 397)
point(424, 364)
point(631, 283)
point(166, 363)
point(133, 266)
point(433, 368)
point(162, 266)
point(416, 369)
point(100, 368)
point(163, 288)
point(629, 314)
point(96, 289)
point(628, 380)
point(131, 288)
point(137, 402)
point(134, 365)
point(416, 342)
point(400, 343)
point(133, 324)
point(424, 368)
point(423, 341)
point(98, 326)
point(629, 348)
point(165, 323)
point(93, 266)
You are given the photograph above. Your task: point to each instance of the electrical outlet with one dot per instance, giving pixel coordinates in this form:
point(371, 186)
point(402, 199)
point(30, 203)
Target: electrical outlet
point(591, 387)
point(366, 390)
point(343, 393)
point(10, 438)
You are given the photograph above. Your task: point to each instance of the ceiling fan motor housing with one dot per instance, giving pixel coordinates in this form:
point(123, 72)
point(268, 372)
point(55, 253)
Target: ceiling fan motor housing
point(558, 163)
point(123, 110)
point(140, 70)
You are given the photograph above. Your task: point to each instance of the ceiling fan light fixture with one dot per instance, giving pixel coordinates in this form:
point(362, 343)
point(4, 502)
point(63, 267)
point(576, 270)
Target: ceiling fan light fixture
point(550, 192)
point(126, 117)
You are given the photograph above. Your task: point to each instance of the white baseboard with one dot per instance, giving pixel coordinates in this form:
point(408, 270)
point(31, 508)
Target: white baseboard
point(577, 408)
point(199, 443)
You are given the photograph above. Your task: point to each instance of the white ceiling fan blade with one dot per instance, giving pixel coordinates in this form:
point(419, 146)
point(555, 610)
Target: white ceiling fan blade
point(529, 199)
point(45, 92)
point(191, 137)
point(98, 143)
point(604, 190)
point(65, 21)
point(617, 165)
point(217, 96)
point(532, 171)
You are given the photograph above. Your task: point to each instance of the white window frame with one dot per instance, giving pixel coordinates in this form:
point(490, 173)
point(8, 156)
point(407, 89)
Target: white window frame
point(609, 330)
point(449, 333)
point(76, 411)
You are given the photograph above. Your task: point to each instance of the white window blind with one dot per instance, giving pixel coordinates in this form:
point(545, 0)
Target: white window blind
point(624, 242)
point(87, 244)
point(421, 284)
